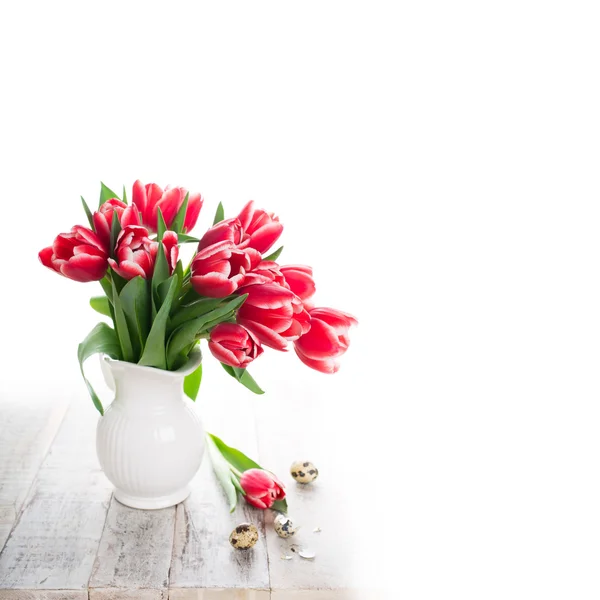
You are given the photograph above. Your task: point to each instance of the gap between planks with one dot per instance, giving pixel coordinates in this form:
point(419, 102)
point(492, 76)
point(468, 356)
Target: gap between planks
point(33, 428)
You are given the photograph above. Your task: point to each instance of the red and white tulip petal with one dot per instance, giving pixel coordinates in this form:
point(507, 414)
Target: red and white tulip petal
point(45, 257)
point(169, 204)
point(229, 230)
point(264, 237)
point(102, 228)
point(262, 503)
point(324, 366)
point(277, 319)
point(84, 267)
point(246, 213)
point(139, 196)
point(89, 236)
point(214, 285)
point(223, 354)
point(222, 249)
point(339, 320)
point(257, 482)
point(299, 278)
point(195, 202)
point(127, 269)
point(267, 336)
point(320, 342)
point(130, 217)
point(268, 296)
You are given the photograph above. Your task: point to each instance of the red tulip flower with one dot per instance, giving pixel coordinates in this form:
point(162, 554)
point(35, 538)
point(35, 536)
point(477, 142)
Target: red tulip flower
point(262, 488)
point(233, 345)
point(219, 270)
point(149, 198)
point(128, 215)
point(260, 229)
point(274, 314)
point(79, 255)
point(299, 280)
point(136, 252)
point(327, 339)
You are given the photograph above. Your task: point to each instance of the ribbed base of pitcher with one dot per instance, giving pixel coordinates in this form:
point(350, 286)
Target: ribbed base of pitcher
point(150, 503)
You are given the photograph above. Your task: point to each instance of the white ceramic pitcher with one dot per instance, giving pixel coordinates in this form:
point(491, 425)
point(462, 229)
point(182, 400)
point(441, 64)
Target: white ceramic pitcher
point(150, 441)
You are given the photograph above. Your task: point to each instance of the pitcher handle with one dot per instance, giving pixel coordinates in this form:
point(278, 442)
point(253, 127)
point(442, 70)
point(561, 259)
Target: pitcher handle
point(107, 373)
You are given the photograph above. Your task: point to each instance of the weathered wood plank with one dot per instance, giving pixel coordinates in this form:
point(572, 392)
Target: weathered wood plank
point(338, 594)
point(310, 419)
point(218, 594)
point(43, 595)
point(134, 555)
point(127, 594)
point(53, 545)
point(27, 428)
point(205, 566)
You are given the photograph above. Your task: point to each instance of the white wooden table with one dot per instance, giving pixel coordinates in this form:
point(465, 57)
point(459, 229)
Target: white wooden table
point(63, 536)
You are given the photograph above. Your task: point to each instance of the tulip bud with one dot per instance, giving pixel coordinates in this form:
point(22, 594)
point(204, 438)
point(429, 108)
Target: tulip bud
point(327, 339)
point(233, 345)
point(149, 198)
point(135, 252)
point(261, 488)
point(79, 255)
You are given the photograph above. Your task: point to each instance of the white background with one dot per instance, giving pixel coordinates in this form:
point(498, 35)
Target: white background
point(436, 163)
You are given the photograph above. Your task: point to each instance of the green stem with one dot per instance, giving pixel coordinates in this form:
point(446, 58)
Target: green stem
point(237, 473)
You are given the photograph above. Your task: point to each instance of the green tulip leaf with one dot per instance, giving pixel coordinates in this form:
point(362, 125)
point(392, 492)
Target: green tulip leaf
point(124, 195)
point(106, 194)
point(192, 311)
point(186, 334)
point(88, 213)
point(244, 378)
point(179, 271)
point(238, 460)
point(162, 226)
point(162, 290)
point(123, 335)
point(191, 383)
point(220, 214)
point(223, 472)
point(101, 305)
point(184, 238)
point(115, 230)
point(102, 339)
point(107, 287)
point(161, 274)
point(275, 254)
point(135, 300)
point(178, 221)
point(154, 354)
point(280, 506)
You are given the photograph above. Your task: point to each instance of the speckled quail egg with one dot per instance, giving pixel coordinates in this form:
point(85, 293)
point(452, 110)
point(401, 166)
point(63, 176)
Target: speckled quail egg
point(284, 527)
point(304, 471)
point(244, 536)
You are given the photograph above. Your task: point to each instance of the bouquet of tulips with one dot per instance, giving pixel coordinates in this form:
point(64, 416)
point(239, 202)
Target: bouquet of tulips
point(233, 293)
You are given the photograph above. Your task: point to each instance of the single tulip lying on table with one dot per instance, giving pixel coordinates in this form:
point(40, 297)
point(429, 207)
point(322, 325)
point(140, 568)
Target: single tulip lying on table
point(233, 293)
point(238, 473)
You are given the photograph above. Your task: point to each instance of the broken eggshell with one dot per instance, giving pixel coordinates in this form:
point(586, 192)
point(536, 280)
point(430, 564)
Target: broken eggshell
point(284, 527)
point(303, 471)
point(305, 553)
point(244, 536)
